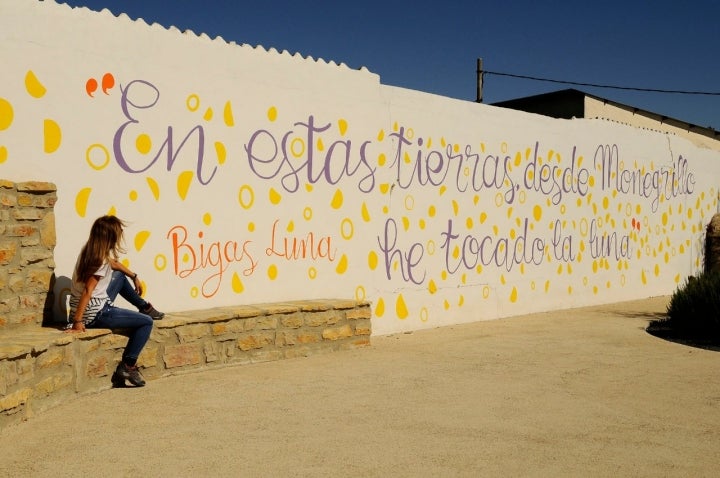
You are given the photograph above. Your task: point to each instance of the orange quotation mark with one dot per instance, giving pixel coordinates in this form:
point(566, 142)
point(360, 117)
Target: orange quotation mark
point(636, 224)
point(108, 81)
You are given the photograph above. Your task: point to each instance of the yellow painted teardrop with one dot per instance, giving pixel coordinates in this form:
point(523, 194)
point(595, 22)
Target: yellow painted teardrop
point(337, 200)
point(81, 201)
point(183, 183)
point(33, 85)
point(53, 136)
point(237, 285)
point(140, 239)
point(275, 196)
point(342, 265)
point(154, 188)
point(400, 308)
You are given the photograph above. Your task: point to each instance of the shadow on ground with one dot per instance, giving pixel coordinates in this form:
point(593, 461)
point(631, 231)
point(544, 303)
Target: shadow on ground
point(661, 328)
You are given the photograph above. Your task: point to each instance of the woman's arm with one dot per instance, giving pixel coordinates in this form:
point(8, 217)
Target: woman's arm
point(117, 266)
point(78, 324)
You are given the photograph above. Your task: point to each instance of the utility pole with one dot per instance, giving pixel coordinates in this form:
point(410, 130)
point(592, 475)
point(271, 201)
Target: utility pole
point(479, 97)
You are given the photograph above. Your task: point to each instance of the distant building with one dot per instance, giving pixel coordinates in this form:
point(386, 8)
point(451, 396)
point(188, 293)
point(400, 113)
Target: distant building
point(571, 103)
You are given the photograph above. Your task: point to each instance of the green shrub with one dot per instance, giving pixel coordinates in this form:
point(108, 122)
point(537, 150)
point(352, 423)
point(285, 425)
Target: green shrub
point(694, 308)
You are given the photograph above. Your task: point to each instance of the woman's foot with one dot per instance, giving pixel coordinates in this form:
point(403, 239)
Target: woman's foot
point(126, 372)
point(152, 312)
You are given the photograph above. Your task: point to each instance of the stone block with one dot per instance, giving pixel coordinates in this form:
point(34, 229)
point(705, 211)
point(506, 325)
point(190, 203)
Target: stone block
point(49, 359)
point(191, 333)
point(256, 340)
point(226, 328)
point(308, 337)
point(97, 367)
point(360, 313)
point(36, 186)
point(8, 251)
point(266, 323)
point(293, 321)
point(319, 319)
point(20, 230)
point(337, 333)
point(52, 384)
point(212, 351)
point(48, 237)
point(182, 355)
point(363, 329)
point(15, 399)
point(149, 356)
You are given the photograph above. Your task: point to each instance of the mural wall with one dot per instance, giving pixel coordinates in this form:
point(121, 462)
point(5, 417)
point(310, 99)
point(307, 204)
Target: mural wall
point(249, 176)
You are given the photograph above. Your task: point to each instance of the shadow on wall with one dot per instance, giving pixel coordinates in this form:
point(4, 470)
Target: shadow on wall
point(55, 310)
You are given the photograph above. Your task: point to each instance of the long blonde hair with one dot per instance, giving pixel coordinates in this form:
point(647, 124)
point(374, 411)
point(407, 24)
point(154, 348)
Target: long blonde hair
point(104, 243)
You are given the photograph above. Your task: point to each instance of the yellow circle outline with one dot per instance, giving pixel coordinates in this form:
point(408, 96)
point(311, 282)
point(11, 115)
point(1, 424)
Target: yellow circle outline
point(90, 162)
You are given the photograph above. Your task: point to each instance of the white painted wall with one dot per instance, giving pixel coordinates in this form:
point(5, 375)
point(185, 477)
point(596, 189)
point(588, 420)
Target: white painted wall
point(400, 167)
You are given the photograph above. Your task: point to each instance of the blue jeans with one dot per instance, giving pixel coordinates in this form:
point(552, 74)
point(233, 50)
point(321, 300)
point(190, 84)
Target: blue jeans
point(110, 317)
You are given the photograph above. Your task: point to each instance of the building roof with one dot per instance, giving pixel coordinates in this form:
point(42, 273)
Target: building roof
point(570, 103)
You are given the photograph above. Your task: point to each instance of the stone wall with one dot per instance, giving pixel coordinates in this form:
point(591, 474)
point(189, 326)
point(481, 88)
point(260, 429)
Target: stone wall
point(27, 241)
point(41, 368)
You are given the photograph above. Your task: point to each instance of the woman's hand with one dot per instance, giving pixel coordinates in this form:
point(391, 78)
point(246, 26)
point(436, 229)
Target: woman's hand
point(138, 285)
point(77, 327)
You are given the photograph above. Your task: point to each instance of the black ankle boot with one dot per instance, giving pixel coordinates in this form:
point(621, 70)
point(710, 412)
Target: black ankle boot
point(126, 372)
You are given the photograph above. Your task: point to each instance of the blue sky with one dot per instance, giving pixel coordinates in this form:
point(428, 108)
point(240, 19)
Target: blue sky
point(433, 46)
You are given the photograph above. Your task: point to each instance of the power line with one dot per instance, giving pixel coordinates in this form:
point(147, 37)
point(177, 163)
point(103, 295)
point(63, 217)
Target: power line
point(651, 90)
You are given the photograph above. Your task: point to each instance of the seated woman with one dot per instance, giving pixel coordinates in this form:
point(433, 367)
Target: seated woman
point(97, 280)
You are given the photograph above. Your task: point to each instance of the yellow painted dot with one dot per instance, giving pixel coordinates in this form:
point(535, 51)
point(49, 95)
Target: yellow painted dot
point(272, 113)
point(272, 272)
point(342, 126)
point(537, 212)
point(312, 273)
point(143, 143)
point(3, 154)
point(514, 295)
point(360, 293)
point(381, 159)
point(208, 114)
point(372, 260)
point(207, 218)
point(307, 213)
point(194, 292)
point(432, 287)
point(251, 226)
point(133, 195)
point(6, 114)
